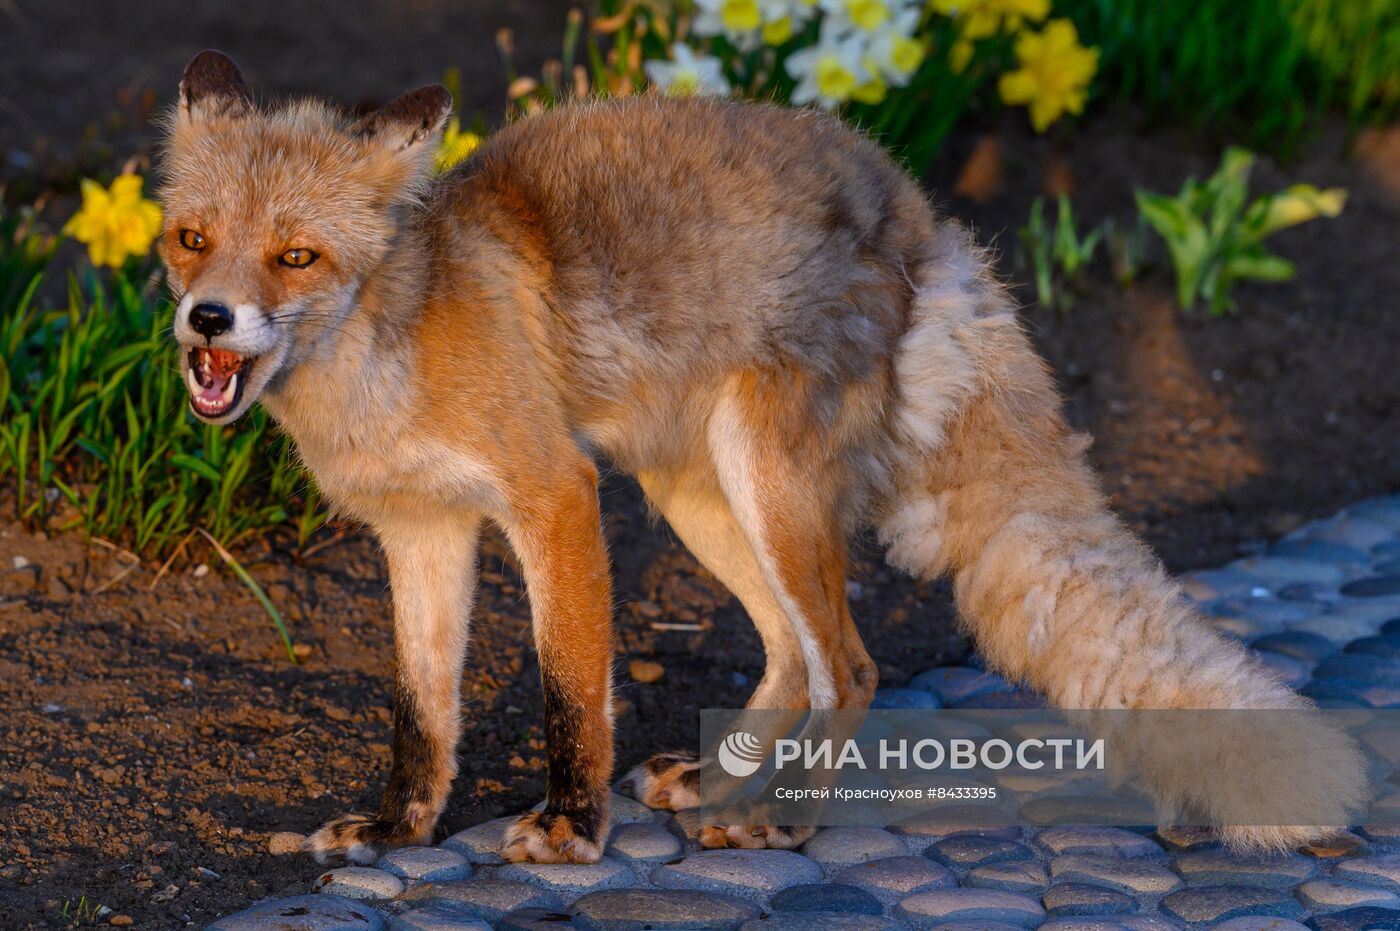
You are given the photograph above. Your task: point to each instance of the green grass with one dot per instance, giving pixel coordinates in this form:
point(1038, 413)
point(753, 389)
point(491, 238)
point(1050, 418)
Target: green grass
point(1266, 68)
point(94, 432)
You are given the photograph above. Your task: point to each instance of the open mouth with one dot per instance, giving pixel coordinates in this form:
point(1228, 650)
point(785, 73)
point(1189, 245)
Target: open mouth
point(216, 378)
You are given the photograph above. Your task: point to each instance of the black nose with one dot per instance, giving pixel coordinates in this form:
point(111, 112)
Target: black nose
point(210, 319)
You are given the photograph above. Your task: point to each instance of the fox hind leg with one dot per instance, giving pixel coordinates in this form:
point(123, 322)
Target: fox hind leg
point(766, 526)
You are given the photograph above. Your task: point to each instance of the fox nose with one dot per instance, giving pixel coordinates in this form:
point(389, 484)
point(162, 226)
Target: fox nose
point(209, 320)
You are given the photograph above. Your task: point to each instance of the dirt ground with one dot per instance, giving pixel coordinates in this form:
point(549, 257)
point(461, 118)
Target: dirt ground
point(152, 740)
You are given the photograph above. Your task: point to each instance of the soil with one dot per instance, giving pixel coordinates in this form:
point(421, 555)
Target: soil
point(153, 735)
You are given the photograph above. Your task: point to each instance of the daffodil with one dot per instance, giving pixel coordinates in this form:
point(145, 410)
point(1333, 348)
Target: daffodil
point(738, 20)
point(895, 53)
point(115, 223)
point(867, 16)
point(455, 146)
point(1054, 73)
point(830, 72)
point(1016, 13)
point(1298, 204)
point(778, 31)
point(975, 19)
point(873, 91)
point(687, 73)
point(960, 55)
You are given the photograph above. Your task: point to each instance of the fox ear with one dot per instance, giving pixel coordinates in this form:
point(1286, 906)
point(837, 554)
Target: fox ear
point(409, 121)
point(213, 87)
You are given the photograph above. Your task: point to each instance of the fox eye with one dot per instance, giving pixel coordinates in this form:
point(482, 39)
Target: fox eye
point(297, 258)
point(191, 240)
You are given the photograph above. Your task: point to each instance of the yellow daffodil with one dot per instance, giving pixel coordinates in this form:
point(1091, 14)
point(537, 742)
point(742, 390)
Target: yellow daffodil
point(975, 19)
point(960, 55)
point(1299, 204)
point(981, 19)
point(1017, 13)
point(456, 145)
point(1054, 73)
point(734, 18)
point(115, 223)
point(778, 31)
point(872, 91)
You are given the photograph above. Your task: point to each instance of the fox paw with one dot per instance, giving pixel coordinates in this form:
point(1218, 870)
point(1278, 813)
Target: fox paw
point(752, 837)
point(551, 837)
point(670, 781)
point(359, 838)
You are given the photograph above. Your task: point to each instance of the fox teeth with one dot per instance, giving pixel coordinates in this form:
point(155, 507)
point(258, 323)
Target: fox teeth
point(230, 388)
point(193, 382)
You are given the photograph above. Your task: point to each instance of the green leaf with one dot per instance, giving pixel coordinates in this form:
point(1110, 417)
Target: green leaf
point(198, 466)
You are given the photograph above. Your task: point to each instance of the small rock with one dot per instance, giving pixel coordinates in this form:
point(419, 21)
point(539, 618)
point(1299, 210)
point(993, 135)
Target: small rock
point(1097, 840)
point(303, 913)
point(1383, 870)
point(1258, 923)
point(1075, 899)
point(359, 882)
point(1219, 903)
point(167, 894)
point(122, 921)
point(969, 851)
point(903, 699)
point(815, 921)
point(647, 843)
point(570, 879)
point(834, 898)
point(19, 562)
point(1375, 586)
point(945, 905)
point(1367, 918)
point(645, 671)
point(435, 919)
point(481, 843)
point(1010, 876)
point(636, 909)
point(1299, 644)
point(748, 874)
point(487, 899)
point(285, 842)
point(892, 878)
point(425, 863)
point(1141, 877)
point(1219, 868)
point(537, 919)
point(837, 848)
point(1330, 895)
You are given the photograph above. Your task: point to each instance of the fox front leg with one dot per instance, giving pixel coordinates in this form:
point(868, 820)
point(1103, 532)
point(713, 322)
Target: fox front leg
point(432, 571)
point(565, 562)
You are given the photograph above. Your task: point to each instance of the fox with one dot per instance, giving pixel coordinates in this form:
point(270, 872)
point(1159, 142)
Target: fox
point(754, 311)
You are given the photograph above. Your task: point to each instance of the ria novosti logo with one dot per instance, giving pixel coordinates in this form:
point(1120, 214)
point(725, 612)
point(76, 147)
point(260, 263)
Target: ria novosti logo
point(740, 754)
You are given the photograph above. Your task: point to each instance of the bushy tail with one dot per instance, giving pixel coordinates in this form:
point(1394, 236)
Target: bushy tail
point(1059, 595)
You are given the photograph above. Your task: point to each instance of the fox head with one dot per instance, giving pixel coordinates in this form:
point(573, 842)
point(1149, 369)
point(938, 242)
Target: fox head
point(273, 219)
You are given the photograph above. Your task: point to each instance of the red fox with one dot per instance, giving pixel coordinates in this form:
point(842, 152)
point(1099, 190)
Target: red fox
point(754, 311)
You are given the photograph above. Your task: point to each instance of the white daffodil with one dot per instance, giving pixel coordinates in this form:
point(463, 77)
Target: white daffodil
point(783, 19)
point(895, 51)
point(737, 20)
point(830, 72)
point(687, 73)
point(867, 16)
